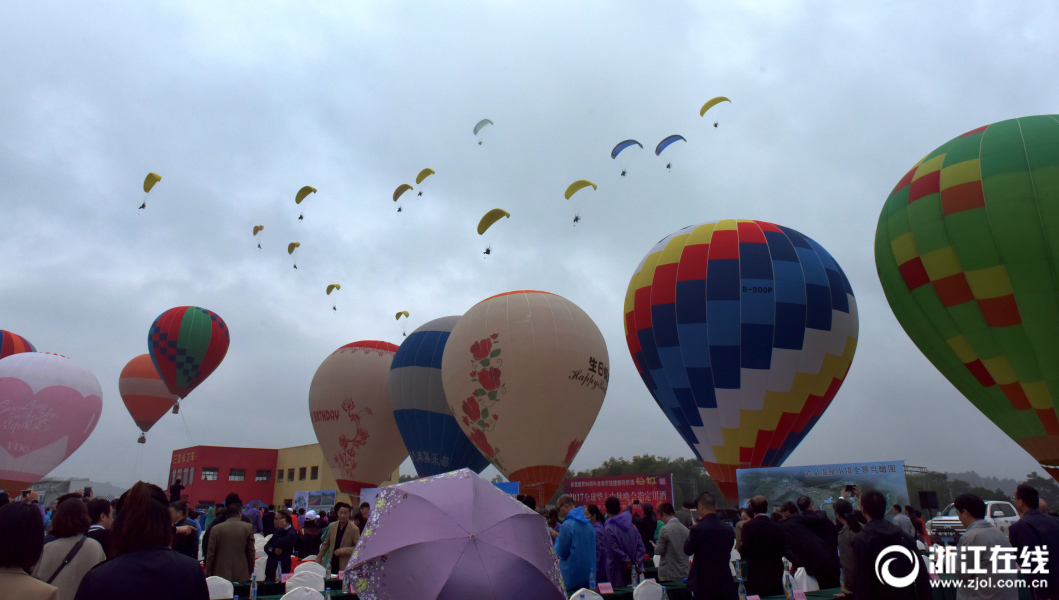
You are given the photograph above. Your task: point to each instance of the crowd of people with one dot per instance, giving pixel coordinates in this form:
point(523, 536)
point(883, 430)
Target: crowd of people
point(145, 545)
point(150, 546)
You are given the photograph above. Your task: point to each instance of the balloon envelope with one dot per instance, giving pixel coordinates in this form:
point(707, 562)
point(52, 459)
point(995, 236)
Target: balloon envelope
point(349, 403)
point(966, 252)
point(430, 432)
point(187, 344)
point(12, 343)
point(529, 371)
point(50, 407)
point(144, 393)
point(743, 332)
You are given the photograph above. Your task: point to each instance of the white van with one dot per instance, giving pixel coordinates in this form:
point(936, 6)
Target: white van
point(946, 527)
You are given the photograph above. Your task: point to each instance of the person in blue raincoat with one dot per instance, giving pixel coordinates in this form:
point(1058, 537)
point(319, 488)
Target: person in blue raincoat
point(596, 517)
point(576, 544)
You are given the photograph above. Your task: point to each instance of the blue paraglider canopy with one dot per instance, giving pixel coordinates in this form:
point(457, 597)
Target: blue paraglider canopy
point(623, 145)
point(666, 142)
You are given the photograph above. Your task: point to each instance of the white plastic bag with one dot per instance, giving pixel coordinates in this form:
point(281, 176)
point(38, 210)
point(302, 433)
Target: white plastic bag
point(804, 581)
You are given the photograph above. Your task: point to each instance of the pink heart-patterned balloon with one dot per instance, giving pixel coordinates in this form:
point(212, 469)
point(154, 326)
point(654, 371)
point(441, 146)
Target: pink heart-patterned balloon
point(49, 405)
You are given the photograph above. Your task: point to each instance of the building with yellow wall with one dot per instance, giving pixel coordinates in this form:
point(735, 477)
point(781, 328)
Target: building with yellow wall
point(304, 469)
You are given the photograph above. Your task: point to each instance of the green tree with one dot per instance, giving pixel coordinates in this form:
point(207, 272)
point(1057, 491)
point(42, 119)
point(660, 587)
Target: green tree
point(1047, 489)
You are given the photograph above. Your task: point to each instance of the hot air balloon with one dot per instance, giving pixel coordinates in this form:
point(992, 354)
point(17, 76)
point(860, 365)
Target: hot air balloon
point(492, 217)
point(525, 374)
point(743, 332)
point(430, 432)
point(144, 393)
point(667, 142)
point(12, 343)
point(623, 145)
point(577, 185)
point(349, 403)
point(186, 344)
point(404, 187)
point(50, 407)
point(965, 258)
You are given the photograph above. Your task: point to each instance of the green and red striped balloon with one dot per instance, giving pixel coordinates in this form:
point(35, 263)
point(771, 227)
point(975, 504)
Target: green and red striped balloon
point(967, 249)
point(186, 344)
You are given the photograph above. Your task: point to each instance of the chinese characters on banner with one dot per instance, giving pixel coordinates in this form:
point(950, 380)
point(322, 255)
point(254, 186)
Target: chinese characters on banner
point(653, 489)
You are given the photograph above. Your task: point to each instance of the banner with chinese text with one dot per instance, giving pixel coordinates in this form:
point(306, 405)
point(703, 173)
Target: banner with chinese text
point(653, 489)
point(823, 483)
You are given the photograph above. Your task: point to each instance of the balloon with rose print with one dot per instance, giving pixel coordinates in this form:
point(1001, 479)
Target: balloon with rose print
point(349, 404)
point(50, 405)
point(525, 373)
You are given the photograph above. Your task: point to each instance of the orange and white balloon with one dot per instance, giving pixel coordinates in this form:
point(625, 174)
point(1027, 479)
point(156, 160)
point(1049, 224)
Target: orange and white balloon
point(144, 393)
point(525, 374)
point(49, 405)
point(349, 403)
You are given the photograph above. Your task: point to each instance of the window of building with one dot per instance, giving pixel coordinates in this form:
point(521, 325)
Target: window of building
point(191, 475)
point(301, 474)
point(290, 474)
point(236, 474)
point(314, 474)
point(210, 473)
point(279, 475)
point(262, 475)
point(172, 477)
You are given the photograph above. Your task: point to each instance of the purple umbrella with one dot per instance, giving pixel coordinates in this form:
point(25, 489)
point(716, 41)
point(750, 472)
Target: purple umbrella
point(453, 536)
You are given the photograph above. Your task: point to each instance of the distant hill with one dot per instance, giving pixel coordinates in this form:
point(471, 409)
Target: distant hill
point(991, 483)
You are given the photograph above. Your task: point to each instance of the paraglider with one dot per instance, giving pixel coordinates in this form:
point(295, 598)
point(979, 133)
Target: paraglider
point(577, 218)
point(743, 331)
point(711, 103)
point(302, 193)
point(12, 343)
point(290, 250)
point(511, 363)
point(349, 403)
point(404, 187)
point(144, 393)
point(187, 344)
point(491, 217)
point(488, 250)
point(577, 185)
point(331, 288)
point(479, 126)
point(623, 145)
point(429, 429)
point(423, 175)
point(667, 142)
point(258, 229)
point(148, 184)
point(50, 405)
point(401, 313)
point(965, 258)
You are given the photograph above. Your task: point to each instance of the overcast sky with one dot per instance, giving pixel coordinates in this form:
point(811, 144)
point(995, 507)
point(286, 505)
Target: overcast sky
point(238, 105)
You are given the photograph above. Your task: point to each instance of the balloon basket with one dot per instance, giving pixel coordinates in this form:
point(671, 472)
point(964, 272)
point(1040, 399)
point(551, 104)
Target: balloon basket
point(176, 408)
point(142, 439)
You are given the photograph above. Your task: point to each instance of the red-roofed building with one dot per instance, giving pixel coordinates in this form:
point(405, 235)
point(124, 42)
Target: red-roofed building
point(209, 473)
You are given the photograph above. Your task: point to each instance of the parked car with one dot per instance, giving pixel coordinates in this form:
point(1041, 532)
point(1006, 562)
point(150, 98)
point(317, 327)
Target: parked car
point(946, 528)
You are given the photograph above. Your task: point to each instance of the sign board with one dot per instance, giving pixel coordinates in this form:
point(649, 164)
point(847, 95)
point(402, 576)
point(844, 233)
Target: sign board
point(315, 499)
point(653, 489)
point(823, 483)
point(301, 500)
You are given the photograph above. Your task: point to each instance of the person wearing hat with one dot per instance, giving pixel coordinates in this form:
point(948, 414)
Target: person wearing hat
point(231, 551)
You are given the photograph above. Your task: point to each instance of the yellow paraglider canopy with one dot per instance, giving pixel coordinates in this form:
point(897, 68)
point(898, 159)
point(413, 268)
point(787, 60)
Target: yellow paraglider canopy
point(399, 313)
point(423, 175)
point(258, 228)
point(580, 183)
point(291, 246)
point(404, 187)
point(333, 287)
point(302, 193)
point(491, 217)
point(150, 180)
point(712, 103)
